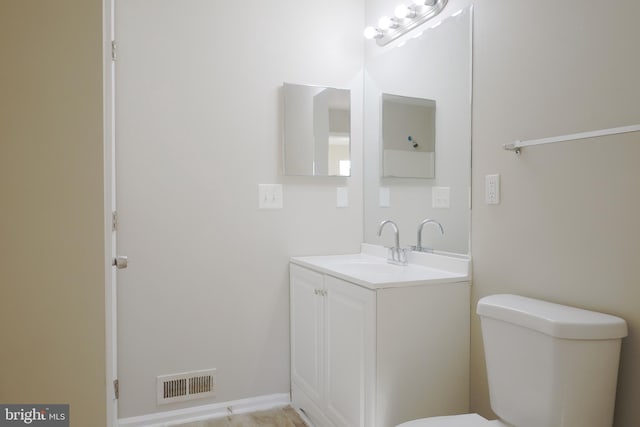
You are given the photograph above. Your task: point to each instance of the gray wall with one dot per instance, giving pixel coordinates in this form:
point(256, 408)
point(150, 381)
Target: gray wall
point(52, 336)
point(567, 228)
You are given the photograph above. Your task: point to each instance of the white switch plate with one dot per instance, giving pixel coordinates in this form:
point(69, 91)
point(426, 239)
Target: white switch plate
point(342, 197)
point(270, 196)
point(492, 189)
point(440, 197)
point(384, 197)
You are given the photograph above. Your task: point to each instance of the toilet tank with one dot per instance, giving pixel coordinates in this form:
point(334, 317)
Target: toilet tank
point(548, 364)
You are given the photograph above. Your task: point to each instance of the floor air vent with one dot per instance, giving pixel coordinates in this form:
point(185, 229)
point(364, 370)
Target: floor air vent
point(185, 386)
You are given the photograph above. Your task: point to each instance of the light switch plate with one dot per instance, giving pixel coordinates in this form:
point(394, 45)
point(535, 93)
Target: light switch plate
point(342, 197)
point(270, 196)
point(440, 197)
point(384, 197)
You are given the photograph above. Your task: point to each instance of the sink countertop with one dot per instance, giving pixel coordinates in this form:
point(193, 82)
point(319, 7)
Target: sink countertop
point(370, 268)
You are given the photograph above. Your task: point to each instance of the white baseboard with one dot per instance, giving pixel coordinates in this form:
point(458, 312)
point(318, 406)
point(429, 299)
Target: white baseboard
point(215, 410)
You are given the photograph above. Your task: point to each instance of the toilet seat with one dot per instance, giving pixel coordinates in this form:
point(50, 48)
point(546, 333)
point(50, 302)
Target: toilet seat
point(466, 420)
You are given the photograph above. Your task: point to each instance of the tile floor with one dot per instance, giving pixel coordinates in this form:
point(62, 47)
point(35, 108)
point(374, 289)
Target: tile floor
point(282, 417)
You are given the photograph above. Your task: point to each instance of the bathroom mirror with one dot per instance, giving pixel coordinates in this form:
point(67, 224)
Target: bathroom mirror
point(317, 130)
point(433, 65)
point(408, 136)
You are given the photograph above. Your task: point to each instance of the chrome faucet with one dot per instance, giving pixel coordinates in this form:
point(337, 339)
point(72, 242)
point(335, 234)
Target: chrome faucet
point(395, 229)
point(396, 255)
point(418, 247)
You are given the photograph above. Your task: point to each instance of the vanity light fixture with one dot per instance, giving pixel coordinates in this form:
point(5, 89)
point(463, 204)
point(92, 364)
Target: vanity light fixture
point(407, 17)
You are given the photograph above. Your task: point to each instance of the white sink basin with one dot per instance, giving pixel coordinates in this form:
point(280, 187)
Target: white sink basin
point(360, 265)
point(370, 268)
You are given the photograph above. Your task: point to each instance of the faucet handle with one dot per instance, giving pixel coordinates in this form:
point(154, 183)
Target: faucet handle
point(390, 253)
point(397, 256)
point(402, 255)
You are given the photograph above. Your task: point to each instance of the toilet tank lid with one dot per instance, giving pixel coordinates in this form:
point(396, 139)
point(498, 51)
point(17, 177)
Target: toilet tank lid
point(557, 320)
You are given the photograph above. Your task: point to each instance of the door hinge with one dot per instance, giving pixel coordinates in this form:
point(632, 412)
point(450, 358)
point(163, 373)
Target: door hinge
point(116, 388)
point(114, 221)
point(114, 55)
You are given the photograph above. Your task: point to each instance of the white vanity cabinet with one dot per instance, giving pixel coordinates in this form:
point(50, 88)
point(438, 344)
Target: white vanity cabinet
point(332, 340)
point(377, 356)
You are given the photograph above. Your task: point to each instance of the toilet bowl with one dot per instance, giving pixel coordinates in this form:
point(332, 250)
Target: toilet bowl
point(562, 361)
point(466, 420)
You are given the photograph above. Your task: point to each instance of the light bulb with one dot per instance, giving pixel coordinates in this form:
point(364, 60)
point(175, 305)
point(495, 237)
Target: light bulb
point(403, 11)
point(384, 23)
point(371, 33)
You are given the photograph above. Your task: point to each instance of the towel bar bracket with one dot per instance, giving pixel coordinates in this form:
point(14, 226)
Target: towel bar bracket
point(512, 147)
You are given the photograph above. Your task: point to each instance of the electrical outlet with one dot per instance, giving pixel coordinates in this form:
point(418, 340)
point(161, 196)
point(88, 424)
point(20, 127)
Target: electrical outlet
point(492, 189)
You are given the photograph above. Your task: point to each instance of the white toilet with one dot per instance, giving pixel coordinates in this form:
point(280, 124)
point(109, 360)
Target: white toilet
point(548, 365)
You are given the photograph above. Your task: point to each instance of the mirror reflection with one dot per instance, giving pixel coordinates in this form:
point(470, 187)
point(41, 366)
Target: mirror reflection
point(317, 131)
point(408, 137)
point(433, 66)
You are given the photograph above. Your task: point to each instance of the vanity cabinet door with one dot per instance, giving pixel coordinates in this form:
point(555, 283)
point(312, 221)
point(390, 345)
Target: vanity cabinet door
point(350, 352)
point(307, 331)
